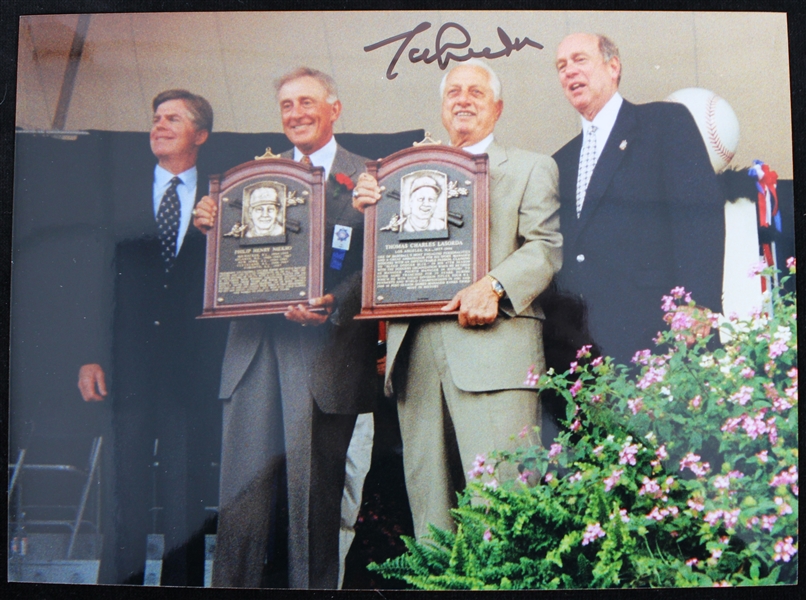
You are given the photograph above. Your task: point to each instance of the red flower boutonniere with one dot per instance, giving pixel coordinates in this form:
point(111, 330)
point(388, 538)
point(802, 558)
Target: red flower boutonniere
point(342, 182)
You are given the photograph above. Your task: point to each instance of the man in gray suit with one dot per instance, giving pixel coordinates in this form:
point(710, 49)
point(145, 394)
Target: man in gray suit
point(294, 383)
point(460, 380)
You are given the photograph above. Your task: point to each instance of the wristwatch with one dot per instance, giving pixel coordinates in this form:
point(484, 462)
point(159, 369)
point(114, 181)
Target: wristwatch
point(498, 289)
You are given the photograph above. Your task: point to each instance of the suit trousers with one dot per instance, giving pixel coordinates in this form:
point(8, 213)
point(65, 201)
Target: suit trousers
point(445, 428)
point(270, 422)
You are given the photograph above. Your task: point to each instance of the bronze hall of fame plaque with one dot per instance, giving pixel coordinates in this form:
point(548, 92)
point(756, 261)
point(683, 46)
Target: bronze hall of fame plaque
point(265, 251)
point(427, 237)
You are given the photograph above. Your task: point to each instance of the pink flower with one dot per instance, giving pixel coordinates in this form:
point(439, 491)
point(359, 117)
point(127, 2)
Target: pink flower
point(680, 292)
point(650, 486)
point(780, 405)
point(524, 477)
point(622, 514)
point(576, 387)
point(785, 477)
point(598, 450)
point(488, 535)
point(584, 351)
point(723, 583)
point(661, 453)
point(696, 504)
point(733, 423)
point(478, 467)
point(531, 378)
point(555, 450)
point(573, 367)
point(548, 477)
point(596, 399)
point(642, 357)
point(653, 375)
point(524, 432)
point(712, 517)
point(692, 562)
point(731, 517)
point(627, 454)
point(756, 269)
point(762, 456)
point(597, 361)
point(783, 507)
point(715, 554)
point(681, 320)
point(747, 372)
point(635, 405)
point(688, 460)
point(610, 482)
point(492, 484)
point(576, 425)
point(721, 482)
point(743, 396)
point(790, 263)
point(793, 374)
point(767, 521)
point(695, 401)
point(592, 532)
point(777, 348)
point(576, 477)
point(784, 550)
point(752, 522)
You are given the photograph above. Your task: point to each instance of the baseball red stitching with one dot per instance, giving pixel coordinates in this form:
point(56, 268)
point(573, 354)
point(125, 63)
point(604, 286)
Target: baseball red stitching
point(713, 135)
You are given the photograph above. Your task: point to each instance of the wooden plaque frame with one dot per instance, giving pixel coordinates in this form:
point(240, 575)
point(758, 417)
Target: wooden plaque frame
point(239, 267)
point(425, 260)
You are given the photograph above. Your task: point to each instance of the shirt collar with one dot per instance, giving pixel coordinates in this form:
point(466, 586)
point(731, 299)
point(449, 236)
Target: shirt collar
point(479, 147)
point(321, 158)
point(605, 118)
point(162, 177)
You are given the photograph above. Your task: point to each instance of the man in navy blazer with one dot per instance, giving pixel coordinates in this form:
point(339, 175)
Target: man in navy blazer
point(649, 216)
point(160, 375)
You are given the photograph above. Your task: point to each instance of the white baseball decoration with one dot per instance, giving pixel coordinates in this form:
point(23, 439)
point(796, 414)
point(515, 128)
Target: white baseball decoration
point(716, 121)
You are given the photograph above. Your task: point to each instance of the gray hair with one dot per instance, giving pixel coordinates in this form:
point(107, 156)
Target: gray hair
point(324, 79)
point(609, 50)
point(495, 82)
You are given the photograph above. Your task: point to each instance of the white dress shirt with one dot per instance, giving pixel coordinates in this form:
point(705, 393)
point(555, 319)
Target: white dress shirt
point(479, 147)
point(321, 158)
point(604, 120)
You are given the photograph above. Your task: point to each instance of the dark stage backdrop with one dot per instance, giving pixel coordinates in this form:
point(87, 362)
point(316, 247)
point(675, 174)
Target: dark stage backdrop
point(66, 223)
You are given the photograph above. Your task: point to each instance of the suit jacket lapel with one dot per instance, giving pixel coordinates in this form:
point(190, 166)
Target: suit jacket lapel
point(498, 156)
point(609, 161)
point(339, 203)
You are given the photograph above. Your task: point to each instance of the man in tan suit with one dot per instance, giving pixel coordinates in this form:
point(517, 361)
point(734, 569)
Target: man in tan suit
point(460, 381)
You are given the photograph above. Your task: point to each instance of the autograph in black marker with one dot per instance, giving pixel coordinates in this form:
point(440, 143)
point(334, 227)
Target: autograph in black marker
point(443, 54)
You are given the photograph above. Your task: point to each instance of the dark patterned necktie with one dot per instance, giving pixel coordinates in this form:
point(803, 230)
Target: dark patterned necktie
point(306, 160)
point(168, 223)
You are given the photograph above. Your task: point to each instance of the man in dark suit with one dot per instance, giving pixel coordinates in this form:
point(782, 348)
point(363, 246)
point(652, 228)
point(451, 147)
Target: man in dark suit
point(294, 383)
point(641, 212)
point(161, 388)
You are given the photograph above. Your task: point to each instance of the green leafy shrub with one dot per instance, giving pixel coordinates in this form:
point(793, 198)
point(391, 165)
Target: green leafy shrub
point(680, 470)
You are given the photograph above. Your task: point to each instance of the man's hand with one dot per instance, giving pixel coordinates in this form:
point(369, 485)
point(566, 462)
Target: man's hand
point(366, 192)
point(300, 313)
point(204, 214)
point(92, 382)
point(477, 304)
